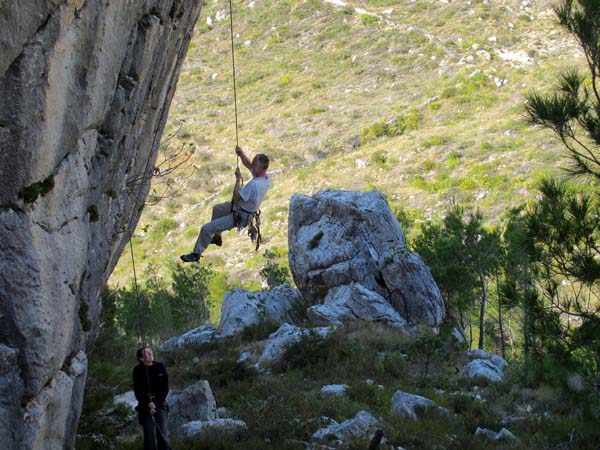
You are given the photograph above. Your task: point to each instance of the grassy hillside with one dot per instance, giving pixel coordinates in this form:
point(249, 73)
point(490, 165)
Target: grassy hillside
point(422, 100)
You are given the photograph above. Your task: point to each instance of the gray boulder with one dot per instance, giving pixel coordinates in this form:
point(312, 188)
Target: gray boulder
point(354, 302)
point(194, 403)
point(341, 435)
point(85, 88)
point(502, 435)
point(412, 406)
point(202, 429)
point(333, 390)
point(242, 308)
point(338, 238)
point(485, 365)
point(483, 368)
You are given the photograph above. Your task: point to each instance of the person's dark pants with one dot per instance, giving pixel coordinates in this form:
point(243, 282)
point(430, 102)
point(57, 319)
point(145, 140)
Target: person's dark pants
point(155, 430)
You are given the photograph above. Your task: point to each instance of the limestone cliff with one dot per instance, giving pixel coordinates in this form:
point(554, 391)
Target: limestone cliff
point(85, 87)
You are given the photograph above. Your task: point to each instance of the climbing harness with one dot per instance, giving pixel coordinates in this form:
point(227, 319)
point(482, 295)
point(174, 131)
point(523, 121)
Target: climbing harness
point(243, 218)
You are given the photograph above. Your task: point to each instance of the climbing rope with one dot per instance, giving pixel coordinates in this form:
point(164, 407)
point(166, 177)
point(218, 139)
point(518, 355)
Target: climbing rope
point(237, 142)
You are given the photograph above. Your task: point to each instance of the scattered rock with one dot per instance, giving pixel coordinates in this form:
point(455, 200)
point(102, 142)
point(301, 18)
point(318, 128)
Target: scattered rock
point(201, 429)
point(333, 390)
point(413, 406)
point(503, 435)
point(341, 435)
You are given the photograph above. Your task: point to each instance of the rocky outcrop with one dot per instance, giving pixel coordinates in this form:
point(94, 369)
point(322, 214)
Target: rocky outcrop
point(85, 87)
point(242, 309)
point(340, 238)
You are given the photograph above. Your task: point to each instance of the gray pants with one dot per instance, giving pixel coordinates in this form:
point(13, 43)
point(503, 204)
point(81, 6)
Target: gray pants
point(221, 220)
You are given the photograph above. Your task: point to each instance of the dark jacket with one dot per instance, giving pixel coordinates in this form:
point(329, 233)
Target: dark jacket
point(150, 383)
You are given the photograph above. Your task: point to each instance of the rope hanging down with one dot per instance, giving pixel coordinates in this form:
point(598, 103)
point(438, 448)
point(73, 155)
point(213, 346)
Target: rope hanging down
point(237, 142)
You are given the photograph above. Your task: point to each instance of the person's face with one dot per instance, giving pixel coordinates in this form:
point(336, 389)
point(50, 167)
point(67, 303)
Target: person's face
point(147, 357)
point(257, 167)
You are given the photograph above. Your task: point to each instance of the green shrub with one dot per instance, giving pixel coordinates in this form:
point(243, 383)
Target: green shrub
point(30, 193)
point(395, 127)
point(379, 158)
point(311, 349)
point(369, 20)
point(272, 272)
point(162, 227)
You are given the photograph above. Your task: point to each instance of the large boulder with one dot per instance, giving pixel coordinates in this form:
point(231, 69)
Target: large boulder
point(339, 238)
point(242, 309)
point(85, 88)
point(194, 403)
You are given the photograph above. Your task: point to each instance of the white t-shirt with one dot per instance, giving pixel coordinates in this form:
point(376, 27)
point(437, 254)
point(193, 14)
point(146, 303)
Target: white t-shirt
point(253, 193)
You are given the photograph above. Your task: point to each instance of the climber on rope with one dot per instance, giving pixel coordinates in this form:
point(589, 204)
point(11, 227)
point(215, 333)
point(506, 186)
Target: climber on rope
point(242, 211)
point(151, 387)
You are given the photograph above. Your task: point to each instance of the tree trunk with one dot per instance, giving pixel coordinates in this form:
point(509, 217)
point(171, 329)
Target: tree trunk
point(482, 310)
point(470, 330)
point(511, 339)
point(500, 323)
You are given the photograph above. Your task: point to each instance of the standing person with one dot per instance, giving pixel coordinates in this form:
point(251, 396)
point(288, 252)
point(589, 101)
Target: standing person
point(246, 202)
point(151, 386)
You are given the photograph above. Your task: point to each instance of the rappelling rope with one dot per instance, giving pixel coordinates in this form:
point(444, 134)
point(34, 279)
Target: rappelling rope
point(237, 141)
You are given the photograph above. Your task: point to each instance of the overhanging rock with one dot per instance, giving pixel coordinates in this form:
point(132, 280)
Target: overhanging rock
point(85, 87)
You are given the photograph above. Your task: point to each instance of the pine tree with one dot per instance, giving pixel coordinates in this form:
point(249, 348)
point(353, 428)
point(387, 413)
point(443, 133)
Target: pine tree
point(572, 111)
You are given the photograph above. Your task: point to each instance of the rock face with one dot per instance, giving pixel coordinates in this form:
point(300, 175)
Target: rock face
point(85, 87)
point(339, 238)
